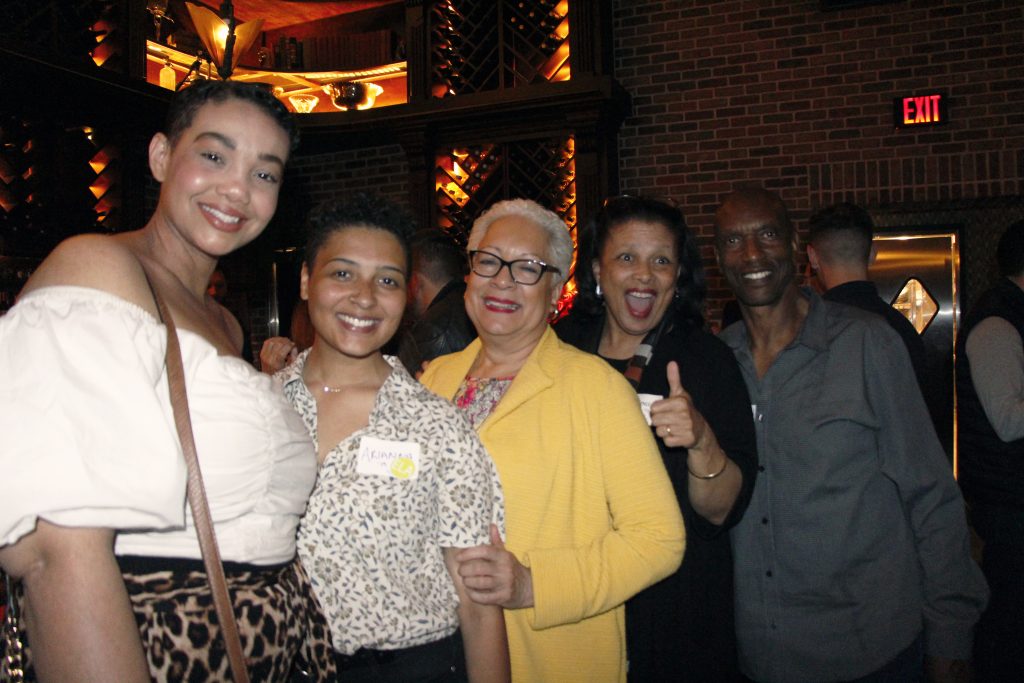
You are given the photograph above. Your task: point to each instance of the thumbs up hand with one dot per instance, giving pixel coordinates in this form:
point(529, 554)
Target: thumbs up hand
point(494, 576)
point(675, 419)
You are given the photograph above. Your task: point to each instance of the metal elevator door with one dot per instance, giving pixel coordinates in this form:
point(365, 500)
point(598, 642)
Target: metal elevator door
point(917, 271)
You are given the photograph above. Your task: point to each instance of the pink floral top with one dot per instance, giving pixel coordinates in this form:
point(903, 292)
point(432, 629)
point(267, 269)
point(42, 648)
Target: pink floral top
point(478, 396)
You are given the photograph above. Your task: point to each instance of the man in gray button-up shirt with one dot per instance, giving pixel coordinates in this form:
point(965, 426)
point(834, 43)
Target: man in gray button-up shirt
point(852, 558)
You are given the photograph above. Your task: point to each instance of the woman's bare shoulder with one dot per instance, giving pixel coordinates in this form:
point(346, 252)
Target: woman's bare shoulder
point(104, 262)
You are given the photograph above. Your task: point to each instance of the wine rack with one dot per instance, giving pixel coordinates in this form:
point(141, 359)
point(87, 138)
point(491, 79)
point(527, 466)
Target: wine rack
point(478, 46)
point(469, 179)
point(90, 29)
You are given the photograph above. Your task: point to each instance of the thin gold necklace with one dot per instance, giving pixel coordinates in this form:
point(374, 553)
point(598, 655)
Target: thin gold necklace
point(328, 389)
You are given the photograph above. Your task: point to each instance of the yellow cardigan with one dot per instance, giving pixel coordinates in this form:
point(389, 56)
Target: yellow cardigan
point(589, 506)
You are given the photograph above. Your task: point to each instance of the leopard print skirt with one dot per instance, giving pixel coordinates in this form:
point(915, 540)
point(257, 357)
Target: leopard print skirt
point(284, 635)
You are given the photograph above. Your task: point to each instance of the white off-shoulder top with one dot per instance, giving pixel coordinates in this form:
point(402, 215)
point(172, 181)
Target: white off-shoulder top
point(87, 434)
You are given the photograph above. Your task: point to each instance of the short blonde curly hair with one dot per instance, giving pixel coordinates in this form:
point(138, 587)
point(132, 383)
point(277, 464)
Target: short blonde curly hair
point(559, 240)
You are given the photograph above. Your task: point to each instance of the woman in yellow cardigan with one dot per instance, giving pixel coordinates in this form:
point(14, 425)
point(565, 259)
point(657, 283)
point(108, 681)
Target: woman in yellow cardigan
point(591, 516)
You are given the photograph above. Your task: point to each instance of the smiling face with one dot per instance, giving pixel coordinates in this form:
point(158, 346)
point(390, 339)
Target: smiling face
point(637, 270)
point(756, 247)
point(356, 290)
point(220, 179)
point(501, 310)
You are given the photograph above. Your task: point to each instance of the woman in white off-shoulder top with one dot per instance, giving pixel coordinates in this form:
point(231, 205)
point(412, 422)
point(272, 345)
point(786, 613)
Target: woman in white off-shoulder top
point(94, 521)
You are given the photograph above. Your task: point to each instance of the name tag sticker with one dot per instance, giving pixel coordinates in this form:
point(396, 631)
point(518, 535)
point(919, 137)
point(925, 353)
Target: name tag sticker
point(645, 404)
point(394, 459)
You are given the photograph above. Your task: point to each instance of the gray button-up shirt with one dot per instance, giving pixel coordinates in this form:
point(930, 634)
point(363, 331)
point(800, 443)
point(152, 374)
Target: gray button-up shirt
point(855, 540)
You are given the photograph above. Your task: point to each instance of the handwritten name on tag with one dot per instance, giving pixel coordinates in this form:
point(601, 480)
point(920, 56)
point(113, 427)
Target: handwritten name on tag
point(394, 459)
point(645, 404)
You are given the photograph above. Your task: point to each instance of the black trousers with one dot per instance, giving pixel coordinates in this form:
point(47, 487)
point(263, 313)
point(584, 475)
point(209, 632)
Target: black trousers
point(442, 661)
point(999, 636)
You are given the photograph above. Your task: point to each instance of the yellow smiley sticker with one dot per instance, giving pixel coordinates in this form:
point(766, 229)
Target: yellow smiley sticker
point(403, 468)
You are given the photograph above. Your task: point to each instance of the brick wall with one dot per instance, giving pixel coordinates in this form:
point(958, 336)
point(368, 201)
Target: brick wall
point(782, 94)
point(382, 169)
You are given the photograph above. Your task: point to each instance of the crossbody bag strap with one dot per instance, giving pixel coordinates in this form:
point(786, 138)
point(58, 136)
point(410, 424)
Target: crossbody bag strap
point(197, 497)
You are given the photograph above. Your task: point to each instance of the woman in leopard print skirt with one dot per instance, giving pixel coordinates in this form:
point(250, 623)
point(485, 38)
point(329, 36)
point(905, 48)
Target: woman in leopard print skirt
point(94, 520)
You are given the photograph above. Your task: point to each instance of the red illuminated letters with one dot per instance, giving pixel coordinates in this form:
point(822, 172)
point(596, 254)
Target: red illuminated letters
point(921, 109)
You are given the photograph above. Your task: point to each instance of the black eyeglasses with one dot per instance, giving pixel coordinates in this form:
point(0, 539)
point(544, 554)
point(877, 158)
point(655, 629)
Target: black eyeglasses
point(523, 271)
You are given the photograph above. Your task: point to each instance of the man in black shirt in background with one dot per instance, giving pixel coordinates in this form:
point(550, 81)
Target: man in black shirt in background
point(840, 250)
point(436, 289)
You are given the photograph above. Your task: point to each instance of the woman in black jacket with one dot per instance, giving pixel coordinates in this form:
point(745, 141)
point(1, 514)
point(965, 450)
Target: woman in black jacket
point(641, 290)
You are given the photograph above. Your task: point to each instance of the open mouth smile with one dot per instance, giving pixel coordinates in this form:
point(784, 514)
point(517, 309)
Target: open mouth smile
point(640, 302)
point(226, 219)
point(355, 323)
point(758, 275)
point(500, 305)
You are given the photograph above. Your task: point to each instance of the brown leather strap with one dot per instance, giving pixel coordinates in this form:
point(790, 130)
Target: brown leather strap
point(197, 498)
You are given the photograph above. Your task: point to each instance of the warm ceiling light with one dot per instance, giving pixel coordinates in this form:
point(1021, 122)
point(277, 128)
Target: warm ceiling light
point(304, 104)
point(215, 32)
point(353, 94)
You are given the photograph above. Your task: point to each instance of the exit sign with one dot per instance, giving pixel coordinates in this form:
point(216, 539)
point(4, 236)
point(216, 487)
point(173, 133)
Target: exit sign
point(920, 110)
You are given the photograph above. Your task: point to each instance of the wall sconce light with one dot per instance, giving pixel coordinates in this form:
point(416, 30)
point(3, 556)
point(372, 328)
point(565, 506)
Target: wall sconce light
point(223, 37)
point(304, 104)
point(353, 94)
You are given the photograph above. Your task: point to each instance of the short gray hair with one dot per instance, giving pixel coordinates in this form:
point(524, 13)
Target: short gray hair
point(559, 239)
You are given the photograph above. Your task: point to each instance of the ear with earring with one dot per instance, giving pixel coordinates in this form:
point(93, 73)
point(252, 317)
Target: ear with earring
point(597, 290)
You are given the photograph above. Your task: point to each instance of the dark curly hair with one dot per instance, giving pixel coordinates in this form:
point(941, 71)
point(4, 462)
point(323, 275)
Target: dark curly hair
point(190, 100)
point(361, 210)
point(688, 303)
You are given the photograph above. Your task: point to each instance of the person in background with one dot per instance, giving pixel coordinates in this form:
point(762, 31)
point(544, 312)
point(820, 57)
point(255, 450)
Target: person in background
point(592, 518)
point(301, 328)
point(840, 250)
point(852, 561)
point(436, 290)
point(217, 289)
point(638, 306)
point(404, 481)
point(990, 398)
point(93, 519)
